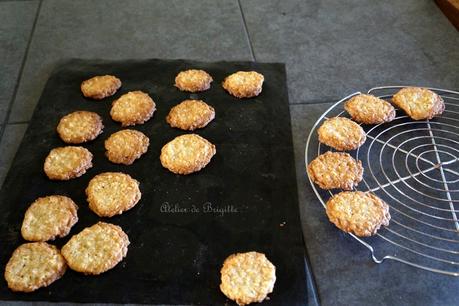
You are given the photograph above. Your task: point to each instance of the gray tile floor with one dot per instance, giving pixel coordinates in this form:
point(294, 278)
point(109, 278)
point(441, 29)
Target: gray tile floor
point(331, 48)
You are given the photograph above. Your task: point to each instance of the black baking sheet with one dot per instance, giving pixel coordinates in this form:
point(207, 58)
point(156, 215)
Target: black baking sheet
point(178, 243)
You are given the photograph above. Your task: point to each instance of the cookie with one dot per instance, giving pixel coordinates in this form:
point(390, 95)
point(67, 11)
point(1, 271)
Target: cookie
point(341, 133)
point(49, 217)
point(96, 249)
point(193, 80)
point(335, 170)
point(34, 265)
point(186, 154)
point(125, 146)
point(190, 115)
point(419, 103)
point(244, 84)
point(112, 193)
point(100, 87)
point(79, 127)
point(65, 163)
point(357, 212)
point(247, 277)
point(368, 109)
point(133, 108)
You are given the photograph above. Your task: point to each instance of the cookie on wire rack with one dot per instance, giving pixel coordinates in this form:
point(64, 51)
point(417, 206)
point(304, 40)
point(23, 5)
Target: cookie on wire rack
point(419, 103)
point(341, 133)
point(368, 109)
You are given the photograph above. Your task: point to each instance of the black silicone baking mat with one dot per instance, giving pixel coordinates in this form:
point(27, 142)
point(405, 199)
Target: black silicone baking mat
point(184, 226)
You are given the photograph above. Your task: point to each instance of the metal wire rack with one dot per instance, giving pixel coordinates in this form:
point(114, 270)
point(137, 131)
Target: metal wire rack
point(414, 167)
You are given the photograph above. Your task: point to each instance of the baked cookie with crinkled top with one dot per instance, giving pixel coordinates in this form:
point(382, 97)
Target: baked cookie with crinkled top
point(125, 146)
point(49, 217)
point(79, 127)
point(34, 265)
point(100, 87)
point(186, 154)
point(65, 163)
point(96, 249)
point(112, 193)
point(193, 80)
point(244, 84)
point(341, 133)
point(357, 212)
point(335, 170)
point(247, 277)
point(190, 115)
point(135, 107)
point(369, 109)
point(419, 103)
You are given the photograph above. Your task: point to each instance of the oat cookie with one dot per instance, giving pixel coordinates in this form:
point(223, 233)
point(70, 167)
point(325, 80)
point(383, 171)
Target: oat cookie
point(335, 170)
point(193, 80)
point(247, 277)
point(244, 84)
point(96, 249)
point(125, 146)
point(135, 107)
point(190, 115)
point(100, 87)
point(49, 217)
point(186, 154)
point(79, 127)
point(34, 265)
point(361, 213)
point(419, 103)
point(369, 109)
point(341, 133)
point(112, 193)
point(65, 163)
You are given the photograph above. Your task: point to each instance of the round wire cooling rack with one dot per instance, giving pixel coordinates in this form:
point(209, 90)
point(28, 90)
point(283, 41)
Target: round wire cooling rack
point(414, 167)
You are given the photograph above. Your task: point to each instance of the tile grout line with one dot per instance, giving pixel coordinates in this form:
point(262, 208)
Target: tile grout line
point(17, 122)
point(21, 70)
point(247, 35)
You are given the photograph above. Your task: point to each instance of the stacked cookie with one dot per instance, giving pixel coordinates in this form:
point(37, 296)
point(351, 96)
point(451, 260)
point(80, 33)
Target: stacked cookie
point(362, 213)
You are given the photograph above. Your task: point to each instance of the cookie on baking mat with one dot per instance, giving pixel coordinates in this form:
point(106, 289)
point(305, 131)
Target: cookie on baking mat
point(49, 217)
point(244, 84)
point(79, 127)
point(96, 249)
point(34, 265)
point(186, 154)
point(135, 107)
point(193, 80)
point(357, 212)
point(100, 87)
point(112, 193)
point(247, 277)
point(368, 109)
point(335, 170)
point(65, 163)
point(125, 146)
point(341, 134)
point(419, 103)
point(190, 115)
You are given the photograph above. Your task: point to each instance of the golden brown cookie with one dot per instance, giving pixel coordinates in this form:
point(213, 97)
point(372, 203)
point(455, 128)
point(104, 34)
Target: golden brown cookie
point(190, 115)
point(244, 84)
point(133, 108)
point(369, 109)
point(341, 133)
point(96, 249)
point(100, 87)
point(49, 217)
point(186, 154)
point(79, 127)
point(419, 103)
point(335, 170)
point(65, 163)
point(193, 80)
point(112, 193)
point(125, 146)
point(361, 213)
point(247, 277)
point(34, 265)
